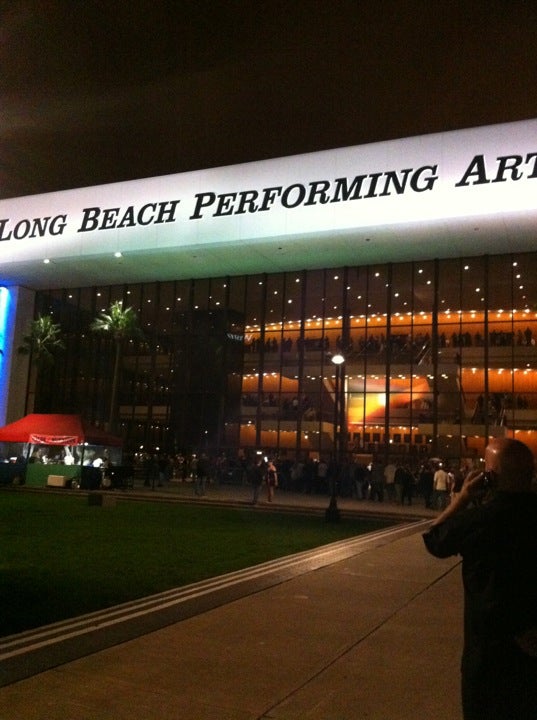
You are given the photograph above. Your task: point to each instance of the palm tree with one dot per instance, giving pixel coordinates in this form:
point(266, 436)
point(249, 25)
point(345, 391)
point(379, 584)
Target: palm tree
point(40, 343)
point(42, 339)
point(119, 323)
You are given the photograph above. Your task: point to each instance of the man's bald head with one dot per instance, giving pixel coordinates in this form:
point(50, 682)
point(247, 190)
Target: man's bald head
point(512, 462)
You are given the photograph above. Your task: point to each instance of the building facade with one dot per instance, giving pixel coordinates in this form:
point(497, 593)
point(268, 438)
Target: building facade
point(413, 260)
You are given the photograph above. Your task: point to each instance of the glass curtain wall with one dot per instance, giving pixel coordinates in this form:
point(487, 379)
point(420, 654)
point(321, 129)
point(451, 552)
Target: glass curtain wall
point(438, 356)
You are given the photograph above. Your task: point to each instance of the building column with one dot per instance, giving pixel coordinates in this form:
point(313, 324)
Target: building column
point(16, 314)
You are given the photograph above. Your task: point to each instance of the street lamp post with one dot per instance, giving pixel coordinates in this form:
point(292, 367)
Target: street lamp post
point(332, 513)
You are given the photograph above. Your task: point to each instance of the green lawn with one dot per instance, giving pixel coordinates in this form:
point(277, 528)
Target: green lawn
point(61, 557)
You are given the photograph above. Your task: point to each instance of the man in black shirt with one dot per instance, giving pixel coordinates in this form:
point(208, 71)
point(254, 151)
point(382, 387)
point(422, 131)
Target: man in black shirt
point(492, 524)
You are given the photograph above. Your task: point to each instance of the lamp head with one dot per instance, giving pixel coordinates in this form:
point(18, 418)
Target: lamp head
point(337, 359)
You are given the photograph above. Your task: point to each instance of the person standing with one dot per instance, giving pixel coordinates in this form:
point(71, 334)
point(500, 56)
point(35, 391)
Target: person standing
point(194, 471)
point(399, 478)
point(407, 488)
point(201, 471)
point(492, 524)
point(441, 488)
point(272, 480)
point(389, 481)
point(257, 478)
point(376, 480)
point(456, 482)
point(322, 477)
point(360, 481)
point(426, 479)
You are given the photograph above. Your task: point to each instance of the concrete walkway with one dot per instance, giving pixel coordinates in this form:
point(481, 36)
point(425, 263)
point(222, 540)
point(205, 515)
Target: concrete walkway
point(370, 630)
point(283, 499)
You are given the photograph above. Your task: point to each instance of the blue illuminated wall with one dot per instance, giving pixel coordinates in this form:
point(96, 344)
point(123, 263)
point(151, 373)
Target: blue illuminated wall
point(7, 320)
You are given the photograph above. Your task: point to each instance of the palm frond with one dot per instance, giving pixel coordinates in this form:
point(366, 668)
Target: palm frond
point(43, 339)
point(120, 322)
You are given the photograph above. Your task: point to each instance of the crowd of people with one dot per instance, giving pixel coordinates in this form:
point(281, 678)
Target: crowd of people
point(378, 343)
point(433, 483)
point(371, 344)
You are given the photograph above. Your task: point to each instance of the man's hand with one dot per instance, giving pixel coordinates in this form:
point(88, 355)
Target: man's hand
point(473, 484)
point(472, 488)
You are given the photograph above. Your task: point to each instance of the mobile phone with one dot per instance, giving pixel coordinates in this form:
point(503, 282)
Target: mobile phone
point(487, 479)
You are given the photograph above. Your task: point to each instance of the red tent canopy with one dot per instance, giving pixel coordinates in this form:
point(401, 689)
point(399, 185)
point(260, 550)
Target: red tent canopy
point(54, 429)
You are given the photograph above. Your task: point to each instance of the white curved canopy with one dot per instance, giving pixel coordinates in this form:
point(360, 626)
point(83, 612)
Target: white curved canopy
point(450, 194)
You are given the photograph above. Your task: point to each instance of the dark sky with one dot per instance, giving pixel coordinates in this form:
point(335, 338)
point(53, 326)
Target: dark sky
point(100, 91)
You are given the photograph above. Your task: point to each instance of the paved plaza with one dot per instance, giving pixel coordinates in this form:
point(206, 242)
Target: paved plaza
point(370, 628)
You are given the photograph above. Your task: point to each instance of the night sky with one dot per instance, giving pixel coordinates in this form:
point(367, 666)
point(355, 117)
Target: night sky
point(95, 92)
